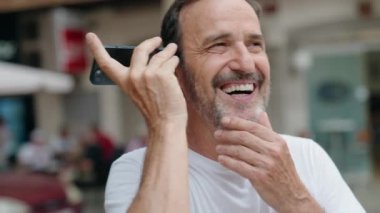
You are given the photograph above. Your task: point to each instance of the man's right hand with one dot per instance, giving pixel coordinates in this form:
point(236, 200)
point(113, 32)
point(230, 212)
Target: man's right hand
point(150, 82)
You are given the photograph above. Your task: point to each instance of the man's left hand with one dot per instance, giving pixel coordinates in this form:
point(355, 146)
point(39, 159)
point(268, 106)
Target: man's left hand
point(256, 152)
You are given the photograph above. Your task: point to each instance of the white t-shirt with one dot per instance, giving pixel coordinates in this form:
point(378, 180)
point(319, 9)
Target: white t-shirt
point(214, 189)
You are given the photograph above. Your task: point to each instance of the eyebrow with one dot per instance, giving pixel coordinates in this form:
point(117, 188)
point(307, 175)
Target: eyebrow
point(211, 38)
point(216, 37)
point(256, 36)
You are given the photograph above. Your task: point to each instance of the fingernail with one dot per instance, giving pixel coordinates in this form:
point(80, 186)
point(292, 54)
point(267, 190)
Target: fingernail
point(226, 120)
point(218, 133)
point(158, 38)
point(173, 44)
point(89, 36)
point(221, 158)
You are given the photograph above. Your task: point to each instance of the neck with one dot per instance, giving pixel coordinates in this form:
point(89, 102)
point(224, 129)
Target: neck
point(200, 135)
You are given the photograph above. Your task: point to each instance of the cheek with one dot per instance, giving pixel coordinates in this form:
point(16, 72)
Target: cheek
point(263, 66)
point(203, 84)
point(204, 73)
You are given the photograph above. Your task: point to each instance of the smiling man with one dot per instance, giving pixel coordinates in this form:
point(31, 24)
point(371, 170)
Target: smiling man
point(211, 146)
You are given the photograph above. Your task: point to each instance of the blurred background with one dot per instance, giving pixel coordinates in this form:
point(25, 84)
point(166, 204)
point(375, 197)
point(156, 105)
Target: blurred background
point(59, 134)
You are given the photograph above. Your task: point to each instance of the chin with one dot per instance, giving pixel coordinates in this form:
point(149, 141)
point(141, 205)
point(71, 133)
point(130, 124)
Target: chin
point(248, 112)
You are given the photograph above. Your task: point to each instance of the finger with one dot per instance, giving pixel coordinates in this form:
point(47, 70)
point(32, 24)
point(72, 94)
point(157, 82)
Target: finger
point(244, 154)
point(243, 138)
point(171, 64)
point(113, 69)
point(244, 169)
point(142, 52)
point(257, 129)
point(264, 120)
point(161, 57)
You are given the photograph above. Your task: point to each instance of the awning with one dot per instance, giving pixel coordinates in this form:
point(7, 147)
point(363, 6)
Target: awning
point(18, 79)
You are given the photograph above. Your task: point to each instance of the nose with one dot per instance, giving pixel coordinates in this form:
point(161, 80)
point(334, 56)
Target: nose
point(242, 60)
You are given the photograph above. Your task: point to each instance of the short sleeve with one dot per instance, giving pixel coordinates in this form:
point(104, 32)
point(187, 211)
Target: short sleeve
point(333, 192)
point(123, 183)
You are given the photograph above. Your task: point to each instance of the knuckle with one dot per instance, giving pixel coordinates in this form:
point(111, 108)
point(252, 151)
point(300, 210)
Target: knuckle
point(278, 139)
point(275, 152)
point(175, 59)
point(270, 165)
point(133, 77)
point(138, 50)
point(157, 57)
point(242, 136)
point(232, 151)
point(104, 65)
point(233, 121)
point(148, 76)
point(238, 152)
point(261, 176)
point(283, 146)
point(253, 127)
point(154, 75)
point(252, 173)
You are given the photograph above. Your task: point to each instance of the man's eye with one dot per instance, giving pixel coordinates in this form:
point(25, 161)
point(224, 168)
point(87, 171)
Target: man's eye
point(219, 44)
point(218, 48)
point(256, 47)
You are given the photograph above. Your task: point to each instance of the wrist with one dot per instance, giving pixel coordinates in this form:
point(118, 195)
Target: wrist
point(167, 130)
point(305, 205)
point(167, 122)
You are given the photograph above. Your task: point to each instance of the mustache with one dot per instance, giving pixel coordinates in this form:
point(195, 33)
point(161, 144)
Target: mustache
point(236, 76)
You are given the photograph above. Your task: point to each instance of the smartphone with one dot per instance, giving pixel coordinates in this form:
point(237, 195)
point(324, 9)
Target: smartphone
point(121, 54)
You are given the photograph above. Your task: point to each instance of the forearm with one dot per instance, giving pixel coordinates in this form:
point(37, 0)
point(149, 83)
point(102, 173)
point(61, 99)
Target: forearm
point(298, 199)
point(164, 183)
point(303, 202)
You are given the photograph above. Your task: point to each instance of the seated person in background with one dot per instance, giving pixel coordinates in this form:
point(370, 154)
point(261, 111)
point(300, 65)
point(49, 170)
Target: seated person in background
point(37, 154)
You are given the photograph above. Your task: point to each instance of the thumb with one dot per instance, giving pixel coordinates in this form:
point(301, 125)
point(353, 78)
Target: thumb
point(264, 120)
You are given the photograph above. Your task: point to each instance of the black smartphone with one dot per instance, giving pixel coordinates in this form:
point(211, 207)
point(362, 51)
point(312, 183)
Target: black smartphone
point(121, 54)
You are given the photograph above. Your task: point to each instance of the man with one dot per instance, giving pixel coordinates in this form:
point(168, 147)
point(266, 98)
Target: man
point(211, 146)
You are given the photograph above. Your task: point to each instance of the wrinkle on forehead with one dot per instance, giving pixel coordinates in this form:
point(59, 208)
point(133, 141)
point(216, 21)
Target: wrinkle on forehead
point(198, 17)
point(214, 10)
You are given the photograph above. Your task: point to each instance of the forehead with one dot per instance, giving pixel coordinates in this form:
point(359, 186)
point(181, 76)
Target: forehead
point(208, 16)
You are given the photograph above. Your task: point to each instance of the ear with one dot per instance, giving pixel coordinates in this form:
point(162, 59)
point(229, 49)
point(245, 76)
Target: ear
point(179, 74)
point(178, 71)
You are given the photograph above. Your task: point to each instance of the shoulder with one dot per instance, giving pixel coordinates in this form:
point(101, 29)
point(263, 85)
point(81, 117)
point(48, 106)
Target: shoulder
point(308, 156)
point(295, 141)
point(123, 180)
point(134, 157)
point(128, 164)
point(305, 146)
point(320, 175)
point(303, 149)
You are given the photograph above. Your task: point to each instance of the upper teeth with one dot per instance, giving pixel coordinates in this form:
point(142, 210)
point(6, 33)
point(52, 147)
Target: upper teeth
point(238, 88)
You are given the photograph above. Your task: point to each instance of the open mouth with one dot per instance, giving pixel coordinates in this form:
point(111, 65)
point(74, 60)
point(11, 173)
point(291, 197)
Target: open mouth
point(239, 89)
